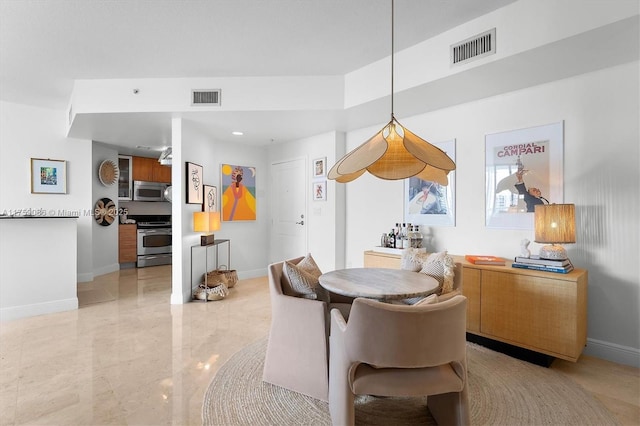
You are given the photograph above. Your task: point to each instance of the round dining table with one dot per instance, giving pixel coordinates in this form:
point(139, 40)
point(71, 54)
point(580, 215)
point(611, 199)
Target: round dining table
point(378, 283)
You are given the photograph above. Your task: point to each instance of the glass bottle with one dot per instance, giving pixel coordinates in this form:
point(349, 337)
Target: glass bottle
point(416, 237)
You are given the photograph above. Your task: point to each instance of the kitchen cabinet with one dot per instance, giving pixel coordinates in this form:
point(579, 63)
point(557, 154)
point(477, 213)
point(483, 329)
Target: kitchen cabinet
point(127, 243)
point(150, 170)
point(125, 181)
point(161, 173)
point(545, 312)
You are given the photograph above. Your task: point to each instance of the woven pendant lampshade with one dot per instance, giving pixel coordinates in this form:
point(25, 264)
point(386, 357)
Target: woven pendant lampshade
point(394, 153)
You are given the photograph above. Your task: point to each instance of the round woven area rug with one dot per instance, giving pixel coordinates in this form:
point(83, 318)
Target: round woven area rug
point(502, 391)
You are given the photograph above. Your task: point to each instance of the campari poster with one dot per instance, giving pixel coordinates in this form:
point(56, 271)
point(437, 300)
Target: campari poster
point(523, 168)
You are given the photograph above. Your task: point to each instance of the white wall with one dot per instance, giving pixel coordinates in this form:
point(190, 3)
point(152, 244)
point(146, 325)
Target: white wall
point(30, 132)
point(38, 276)
point(105, 238)
point(601, 152)
point(324, 219)
point(249, 239)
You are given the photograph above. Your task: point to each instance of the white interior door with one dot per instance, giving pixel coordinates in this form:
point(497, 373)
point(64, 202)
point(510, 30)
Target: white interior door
point(289, 210)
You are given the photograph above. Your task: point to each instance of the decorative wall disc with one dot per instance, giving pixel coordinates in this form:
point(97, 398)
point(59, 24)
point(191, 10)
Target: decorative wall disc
point(108, 172)
point(105, 211)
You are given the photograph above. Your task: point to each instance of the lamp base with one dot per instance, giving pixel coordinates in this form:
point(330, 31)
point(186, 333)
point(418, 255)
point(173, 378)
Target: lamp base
point(206, 240)
point(553, 252)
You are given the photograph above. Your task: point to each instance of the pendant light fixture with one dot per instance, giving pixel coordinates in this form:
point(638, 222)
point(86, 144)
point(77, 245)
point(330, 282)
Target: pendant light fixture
point(394, 152)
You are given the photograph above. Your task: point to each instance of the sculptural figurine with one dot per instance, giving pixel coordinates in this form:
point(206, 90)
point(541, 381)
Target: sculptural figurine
point(524, 248)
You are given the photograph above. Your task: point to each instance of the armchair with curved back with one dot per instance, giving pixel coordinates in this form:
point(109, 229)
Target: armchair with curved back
point(297, 356)
point(399, 350)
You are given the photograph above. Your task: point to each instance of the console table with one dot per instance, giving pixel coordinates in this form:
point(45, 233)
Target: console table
point(544, 312)
point(216, 244)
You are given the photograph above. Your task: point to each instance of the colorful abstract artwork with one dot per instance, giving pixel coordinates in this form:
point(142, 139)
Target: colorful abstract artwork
point(238, 192)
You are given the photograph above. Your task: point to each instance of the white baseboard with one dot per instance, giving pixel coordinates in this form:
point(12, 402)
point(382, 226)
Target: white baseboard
point(85, 277)
point(24, 311)
point(613, 352)
point(180, 298)
point(107, 269)
point(255, 273)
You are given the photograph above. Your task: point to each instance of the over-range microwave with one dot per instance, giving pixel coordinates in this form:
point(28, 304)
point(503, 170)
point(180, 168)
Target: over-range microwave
point(149, 191)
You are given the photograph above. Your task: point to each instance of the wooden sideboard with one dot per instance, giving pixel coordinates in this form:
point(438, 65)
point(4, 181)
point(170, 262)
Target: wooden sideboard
point(544, 312)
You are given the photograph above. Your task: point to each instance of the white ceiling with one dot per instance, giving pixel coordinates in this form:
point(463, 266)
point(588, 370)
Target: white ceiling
point(46, 44)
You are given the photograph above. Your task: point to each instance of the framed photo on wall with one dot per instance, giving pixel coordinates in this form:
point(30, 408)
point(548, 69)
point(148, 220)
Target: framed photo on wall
point(319, 167)
point(48, 176)
point(522, 167)
point(194, 183)
point(210, 199)
point(432, 203)
point(238, 192)
point(320, 190)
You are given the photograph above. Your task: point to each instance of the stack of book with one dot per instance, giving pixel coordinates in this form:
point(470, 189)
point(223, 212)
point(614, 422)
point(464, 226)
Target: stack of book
point(534, 262)
point(484, 260)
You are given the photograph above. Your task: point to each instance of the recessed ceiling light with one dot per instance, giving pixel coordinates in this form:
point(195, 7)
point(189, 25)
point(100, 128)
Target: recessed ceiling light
point(236, 133)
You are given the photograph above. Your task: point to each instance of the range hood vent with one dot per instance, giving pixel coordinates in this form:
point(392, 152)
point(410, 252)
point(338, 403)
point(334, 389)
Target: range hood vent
point(474, 48)
point(206, 97)
point(166, 157)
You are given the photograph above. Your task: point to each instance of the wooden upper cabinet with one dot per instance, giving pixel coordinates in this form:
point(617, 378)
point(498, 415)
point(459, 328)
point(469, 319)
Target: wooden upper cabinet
point(161, 173)
point(143, 168)
point(150, 170)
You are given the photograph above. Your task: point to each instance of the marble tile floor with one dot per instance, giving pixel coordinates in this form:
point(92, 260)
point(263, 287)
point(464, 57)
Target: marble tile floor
point(129, 357)
point(134, 360)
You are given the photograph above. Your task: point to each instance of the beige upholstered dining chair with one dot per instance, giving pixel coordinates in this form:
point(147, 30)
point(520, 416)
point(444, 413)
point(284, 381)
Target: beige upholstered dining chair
point(399, 350)
point(297, 356)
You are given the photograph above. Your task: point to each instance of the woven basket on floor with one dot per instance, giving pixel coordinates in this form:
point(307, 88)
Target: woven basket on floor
point(215, 278)
point(230, 274)
point(216, 293)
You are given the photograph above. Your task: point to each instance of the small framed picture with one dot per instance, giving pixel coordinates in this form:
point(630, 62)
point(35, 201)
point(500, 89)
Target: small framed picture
point(48, 176)
point(210, 199)
point(432, 203)
point(319, 167)
point(320, 190)
point(194, 183)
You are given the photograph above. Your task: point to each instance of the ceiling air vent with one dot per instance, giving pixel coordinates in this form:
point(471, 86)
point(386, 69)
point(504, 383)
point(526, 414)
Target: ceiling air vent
point(205, 97)
point(474, 48)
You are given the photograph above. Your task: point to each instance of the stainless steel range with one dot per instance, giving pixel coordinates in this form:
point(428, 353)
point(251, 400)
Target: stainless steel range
point(154, 243)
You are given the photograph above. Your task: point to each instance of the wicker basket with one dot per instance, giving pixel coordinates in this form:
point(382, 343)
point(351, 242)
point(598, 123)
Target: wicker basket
point(215, 278)
point(216, 293)
point(230, 274)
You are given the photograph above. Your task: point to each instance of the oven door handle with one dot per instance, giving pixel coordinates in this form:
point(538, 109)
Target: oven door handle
point(155, 231)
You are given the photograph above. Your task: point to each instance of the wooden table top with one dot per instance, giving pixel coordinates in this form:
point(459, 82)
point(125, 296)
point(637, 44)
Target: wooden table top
point(378, 283)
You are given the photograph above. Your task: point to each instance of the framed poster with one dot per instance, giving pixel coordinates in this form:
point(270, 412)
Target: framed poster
point(522, 168)
point(48, 176)
point(210, 199)
point(432, 203)
point(319, 167)
point(238, 192)
point(194, 183)
point(320, 190)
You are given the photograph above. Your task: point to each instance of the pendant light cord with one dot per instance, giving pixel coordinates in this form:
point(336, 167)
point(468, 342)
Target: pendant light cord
point(392, 42)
